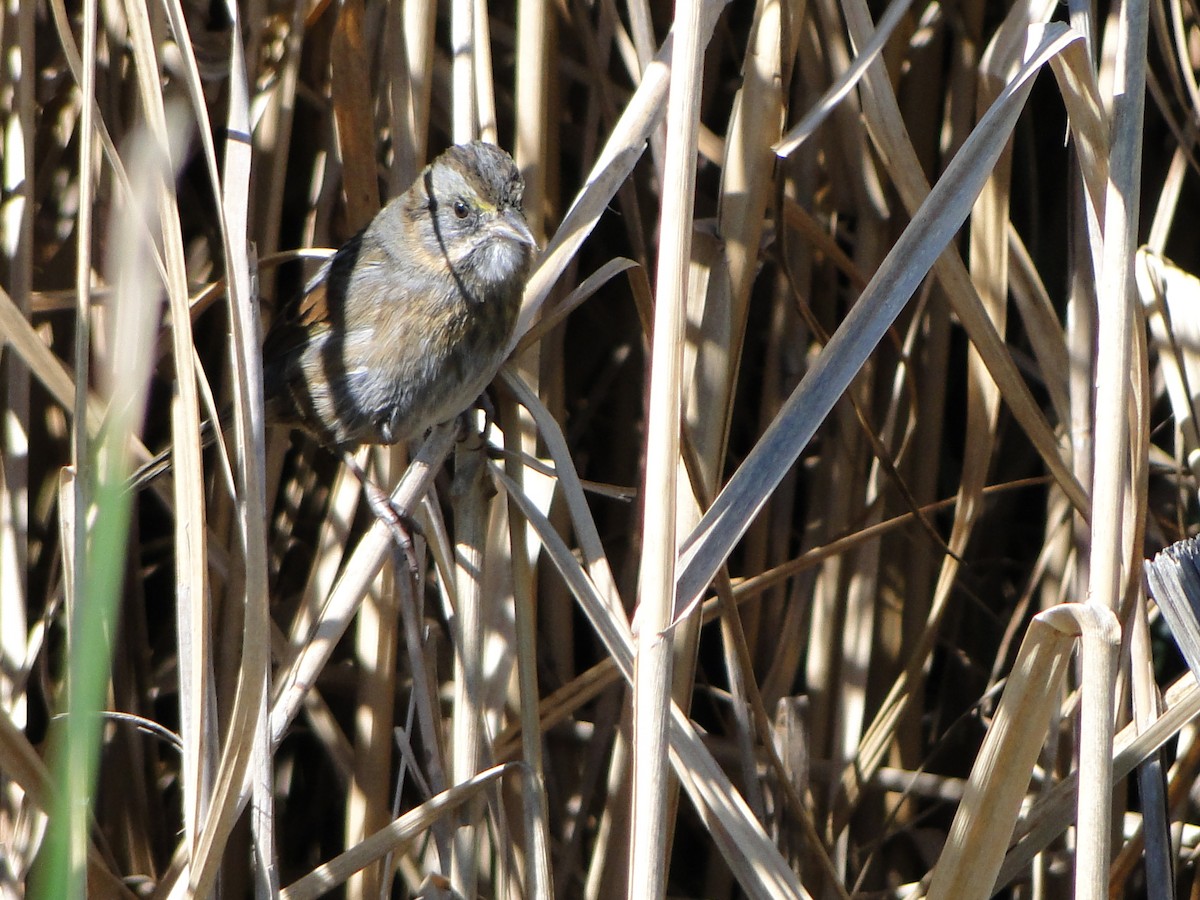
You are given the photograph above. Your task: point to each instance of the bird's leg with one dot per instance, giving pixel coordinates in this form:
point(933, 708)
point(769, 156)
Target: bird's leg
point(401, 525)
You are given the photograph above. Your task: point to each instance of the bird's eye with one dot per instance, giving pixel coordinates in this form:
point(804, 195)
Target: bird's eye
point(461, 209)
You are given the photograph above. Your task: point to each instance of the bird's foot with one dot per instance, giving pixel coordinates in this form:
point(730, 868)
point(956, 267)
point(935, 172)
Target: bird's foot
point(399, 522)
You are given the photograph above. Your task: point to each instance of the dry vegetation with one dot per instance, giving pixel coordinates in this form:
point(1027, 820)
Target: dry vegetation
point(850, 309)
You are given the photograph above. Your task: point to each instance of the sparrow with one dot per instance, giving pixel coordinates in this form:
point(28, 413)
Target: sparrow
point(404, 327)
point(408, 322)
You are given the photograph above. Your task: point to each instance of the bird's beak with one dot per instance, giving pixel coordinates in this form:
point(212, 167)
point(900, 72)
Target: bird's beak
point(511, 225)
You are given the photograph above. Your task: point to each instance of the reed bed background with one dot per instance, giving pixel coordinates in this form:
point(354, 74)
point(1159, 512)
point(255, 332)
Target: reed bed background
point(841, 376)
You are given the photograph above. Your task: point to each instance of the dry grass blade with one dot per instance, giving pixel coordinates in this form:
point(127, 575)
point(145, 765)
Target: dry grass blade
point(361, 569)
point(747, 174)
point(893, 284)
point(985, 818)
point(352, 107)
point(1175, 585)
point(43, 364)
point(247, 734)
point(1037, 310)
point(1169, 296)
point(845, 84)
point(1155, 839)
point(1052, 814)
point(556, 316)
point(96, 504)
point(22, 763)
point(761, 871)
point(612, 167)
point(392, 838)
point(1000, 777)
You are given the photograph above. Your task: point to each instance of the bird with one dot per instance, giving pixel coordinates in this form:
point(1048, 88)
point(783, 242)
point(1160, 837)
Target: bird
point(407, 323)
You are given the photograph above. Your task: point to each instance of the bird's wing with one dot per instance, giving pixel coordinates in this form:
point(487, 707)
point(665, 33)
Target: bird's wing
point(318, 307)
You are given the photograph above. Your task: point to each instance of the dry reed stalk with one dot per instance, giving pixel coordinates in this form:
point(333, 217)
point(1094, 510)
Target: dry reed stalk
point(1000, 777)
point(1116, 314)
point(466, 737)
point(652, 686)
point(18, 170)
point(377, 640)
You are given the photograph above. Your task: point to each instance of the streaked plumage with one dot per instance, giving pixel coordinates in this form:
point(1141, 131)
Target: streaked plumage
point(405, 326)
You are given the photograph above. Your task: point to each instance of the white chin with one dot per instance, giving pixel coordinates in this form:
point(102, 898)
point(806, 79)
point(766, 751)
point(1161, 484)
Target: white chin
point(499, 260)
